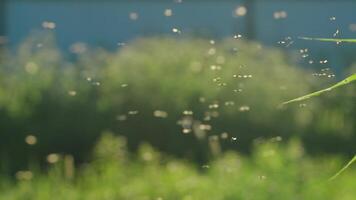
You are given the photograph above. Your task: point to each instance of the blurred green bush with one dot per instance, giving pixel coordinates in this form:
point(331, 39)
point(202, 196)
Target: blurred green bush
point(187, 97)
point(272, 172)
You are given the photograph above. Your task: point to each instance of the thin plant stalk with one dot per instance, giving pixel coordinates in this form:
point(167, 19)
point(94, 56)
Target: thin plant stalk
point(346, 81)
point(344, 168)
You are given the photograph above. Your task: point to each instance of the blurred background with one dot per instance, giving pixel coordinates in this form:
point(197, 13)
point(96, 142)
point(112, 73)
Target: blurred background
point(121, 91)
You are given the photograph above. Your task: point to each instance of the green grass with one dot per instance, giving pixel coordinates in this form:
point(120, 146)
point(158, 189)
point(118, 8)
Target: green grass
point(344, 168)
point(40, 82)
point(346, 81)
point(338, 40)
point(274, 171)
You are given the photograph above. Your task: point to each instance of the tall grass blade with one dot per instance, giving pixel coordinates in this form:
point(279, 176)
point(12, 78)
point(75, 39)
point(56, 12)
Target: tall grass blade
point(341, 83)
point(344, 168)
point(350, 40)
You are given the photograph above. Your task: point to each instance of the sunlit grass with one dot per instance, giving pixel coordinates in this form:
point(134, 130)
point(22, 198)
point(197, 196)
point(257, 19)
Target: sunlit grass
point(275, 170)
point(338, 40)
point(346, 81)
point(189, 69)
point(344, 168)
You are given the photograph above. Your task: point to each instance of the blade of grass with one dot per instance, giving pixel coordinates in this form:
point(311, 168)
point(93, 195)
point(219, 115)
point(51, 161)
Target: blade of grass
point(341, 83)
point(344, 168)
point(330, 39)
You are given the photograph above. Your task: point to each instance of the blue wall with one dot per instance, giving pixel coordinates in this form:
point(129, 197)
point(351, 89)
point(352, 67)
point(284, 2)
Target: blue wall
point(2, 17)
point(106, 23)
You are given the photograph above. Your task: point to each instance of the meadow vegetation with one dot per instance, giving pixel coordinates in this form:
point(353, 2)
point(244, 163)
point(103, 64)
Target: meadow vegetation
point(273, 171)
point(182, 119)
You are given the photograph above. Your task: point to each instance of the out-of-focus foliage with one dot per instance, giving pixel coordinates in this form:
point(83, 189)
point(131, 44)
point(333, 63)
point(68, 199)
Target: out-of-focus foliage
point(274, 171)
point(231, 86)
